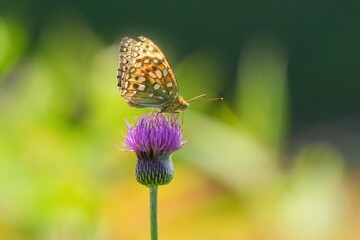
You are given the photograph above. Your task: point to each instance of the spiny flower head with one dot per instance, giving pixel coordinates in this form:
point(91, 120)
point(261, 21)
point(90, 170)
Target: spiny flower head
point(154, 137)
point(154, 134)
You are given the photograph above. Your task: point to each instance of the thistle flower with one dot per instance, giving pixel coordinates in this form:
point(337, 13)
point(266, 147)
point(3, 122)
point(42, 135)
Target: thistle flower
point(154, 137)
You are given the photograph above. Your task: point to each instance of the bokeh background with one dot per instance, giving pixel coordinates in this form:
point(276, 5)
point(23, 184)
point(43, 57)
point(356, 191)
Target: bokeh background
point(277, 159)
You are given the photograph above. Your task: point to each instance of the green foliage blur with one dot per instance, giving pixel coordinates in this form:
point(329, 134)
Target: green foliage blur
point(245, 173)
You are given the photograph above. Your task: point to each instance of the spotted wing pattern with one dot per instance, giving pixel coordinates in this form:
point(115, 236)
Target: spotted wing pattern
point(145, 78)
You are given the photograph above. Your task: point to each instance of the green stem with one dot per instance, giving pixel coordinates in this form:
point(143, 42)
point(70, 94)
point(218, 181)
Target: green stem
point(153, 212)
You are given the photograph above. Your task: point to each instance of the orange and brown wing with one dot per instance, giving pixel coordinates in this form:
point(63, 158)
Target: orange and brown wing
point(145, 78)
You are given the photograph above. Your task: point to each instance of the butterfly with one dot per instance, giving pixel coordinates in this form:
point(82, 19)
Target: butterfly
point(145, 77)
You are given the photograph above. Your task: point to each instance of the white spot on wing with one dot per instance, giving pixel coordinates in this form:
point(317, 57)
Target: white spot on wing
point(158, 74)
point(169, 84)
point(141, 87)
point(153, 75)
point(156, 86)
point(141, 79)
point(165, 72)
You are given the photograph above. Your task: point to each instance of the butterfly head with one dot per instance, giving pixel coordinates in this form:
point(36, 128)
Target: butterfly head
point(182, 104)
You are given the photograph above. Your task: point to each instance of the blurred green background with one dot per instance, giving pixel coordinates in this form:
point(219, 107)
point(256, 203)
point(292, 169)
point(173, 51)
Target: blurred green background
point(278, 159)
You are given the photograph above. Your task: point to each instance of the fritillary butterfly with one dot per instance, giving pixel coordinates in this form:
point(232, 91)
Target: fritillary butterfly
point(145, 77)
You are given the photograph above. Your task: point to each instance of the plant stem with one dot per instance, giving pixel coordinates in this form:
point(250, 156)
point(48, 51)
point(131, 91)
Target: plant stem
point(153, 212)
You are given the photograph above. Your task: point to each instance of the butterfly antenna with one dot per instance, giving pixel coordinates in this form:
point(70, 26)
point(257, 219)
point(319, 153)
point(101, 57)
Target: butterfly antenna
point(196, 99)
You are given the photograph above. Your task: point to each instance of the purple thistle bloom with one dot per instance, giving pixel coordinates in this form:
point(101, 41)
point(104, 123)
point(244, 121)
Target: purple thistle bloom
point(153, 138)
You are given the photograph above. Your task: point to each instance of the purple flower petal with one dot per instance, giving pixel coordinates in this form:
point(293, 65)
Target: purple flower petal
point(154, 134)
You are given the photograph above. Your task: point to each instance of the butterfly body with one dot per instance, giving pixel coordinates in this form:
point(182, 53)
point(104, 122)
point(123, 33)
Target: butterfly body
point(145, 77)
